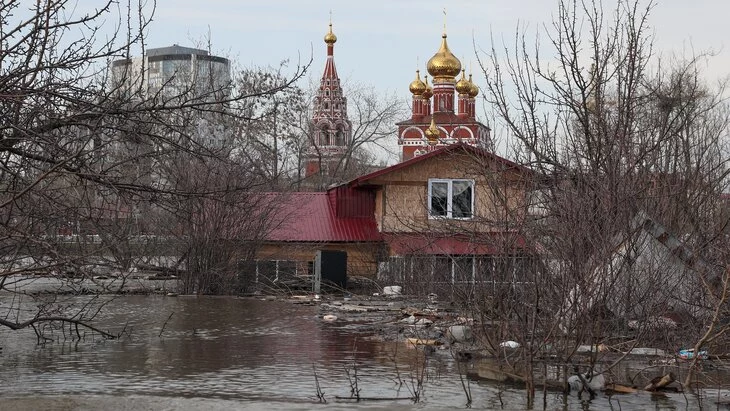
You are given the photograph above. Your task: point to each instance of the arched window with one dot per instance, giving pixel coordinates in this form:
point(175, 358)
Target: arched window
point(324, 135)
point(340, 136)
point(326, 106)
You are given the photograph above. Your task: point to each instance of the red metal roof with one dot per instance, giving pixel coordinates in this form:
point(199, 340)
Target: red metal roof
point(494, 243)
point(362, 180)
point(312, 217)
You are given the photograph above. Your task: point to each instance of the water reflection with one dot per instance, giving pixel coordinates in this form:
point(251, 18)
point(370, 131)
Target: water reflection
point(246, 352)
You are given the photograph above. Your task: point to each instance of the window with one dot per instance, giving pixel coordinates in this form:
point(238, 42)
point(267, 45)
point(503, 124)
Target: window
point(324, 136)
point(340, 137)
point(450, 198)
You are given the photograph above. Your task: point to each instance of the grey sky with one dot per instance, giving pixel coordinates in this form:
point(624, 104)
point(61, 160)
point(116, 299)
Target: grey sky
point(379, 41)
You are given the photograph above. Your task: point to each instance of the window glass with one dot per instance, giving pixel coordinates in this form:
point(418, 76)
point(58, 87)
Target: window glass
point(439, 198)
point(461, 199)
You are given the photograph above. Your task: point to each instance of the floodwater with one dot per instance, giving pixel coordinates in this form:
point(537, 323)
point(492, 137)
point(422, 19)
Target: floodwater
point(216, 353)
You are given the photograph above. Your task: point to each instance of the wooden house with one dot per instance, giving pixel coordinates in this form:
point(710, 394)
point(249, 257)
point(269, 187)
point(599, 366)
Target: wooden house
point(451, 215)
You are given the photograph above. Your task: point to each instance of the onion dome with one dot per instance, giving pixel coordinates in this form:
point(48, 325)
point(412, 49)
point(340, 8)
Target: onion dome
point(463, 86)
point(474, 89)
point(417, 87)
point(428, 93)
point(443, 65)
point(330, 37)
point(432, 133)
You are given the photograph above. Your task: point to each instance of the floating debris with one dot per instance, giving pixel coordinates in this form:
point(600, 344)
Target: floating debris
point(689, 354)
point(509, 344)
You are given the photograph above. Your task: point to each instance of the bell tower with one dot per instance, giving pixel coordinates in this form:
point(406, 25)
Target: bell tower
point(330, 129)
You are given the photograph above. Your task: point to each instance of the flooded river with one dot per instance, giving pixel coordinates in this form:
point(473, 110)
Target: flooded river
point(189, 353)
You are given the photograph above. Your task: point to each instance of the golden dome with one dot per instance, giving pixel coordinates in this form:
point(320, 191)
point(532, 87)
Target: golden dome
point(432, 133)
point(463, 86)
point(443, 65)
point(330, 37)
point(474, 90)
point(428, 93)
point(417, 87)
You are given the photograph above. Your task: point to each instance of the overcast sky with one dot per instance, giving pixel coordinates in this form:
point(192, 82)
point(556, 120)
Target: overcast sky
point(380, 41)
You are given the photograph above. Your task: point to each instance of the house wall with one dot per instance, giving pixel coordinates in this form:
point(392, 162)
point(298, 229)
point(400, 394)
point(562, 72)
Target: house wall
point(402, 200)
point(361, 257)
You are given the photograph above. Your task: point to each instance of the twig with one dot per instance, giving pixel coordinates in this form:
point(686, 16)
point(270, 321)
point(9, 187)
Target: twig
point(320, 393)
point(165, 324)
point(464, 385)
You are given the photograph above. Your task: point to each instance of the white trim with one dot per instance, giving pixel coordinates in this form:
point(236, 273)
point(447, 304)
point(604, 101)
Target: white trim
point(449, 196)
point(453, 132)
point(402, 134)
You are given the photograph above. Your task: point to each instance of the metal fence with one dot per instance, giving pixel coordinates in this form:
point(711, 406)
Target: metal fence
point(457, 277)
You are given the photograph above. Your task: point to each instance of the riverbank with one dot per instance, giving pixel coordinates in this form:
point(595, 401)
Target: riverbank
point(137, 283)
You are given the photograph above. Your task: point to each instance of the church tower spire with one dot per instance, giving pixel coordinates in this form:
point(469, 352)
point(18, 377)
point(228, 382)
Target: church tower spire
point(435, 120)
point(331, 130)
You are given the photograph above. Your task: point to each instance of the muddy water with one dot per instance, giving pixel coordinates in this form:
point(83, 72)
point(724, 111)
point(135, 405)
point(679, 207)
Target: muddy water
point(189, 353)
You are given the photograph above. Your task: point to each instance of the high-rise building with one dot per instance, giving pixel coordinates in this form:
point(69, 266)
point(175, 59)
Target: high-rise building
point(173, 71)
point(331, 131)
point(435, 121)
point(168, 76)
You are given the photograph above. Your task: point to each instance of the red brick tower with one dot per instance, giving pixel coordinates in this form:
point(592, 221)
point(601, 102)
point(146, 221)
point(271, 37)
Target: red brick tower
point(331, 131)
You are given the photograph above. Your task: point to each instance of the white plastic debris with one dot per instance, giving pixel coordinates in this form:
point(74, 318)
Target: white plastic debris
point(595, 383)
point(509, 344)
point(459, 333)
point(329, 318)
point(392, 290)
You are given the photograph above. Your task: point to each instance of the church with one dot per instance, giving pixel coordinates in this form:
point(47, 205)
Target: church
point(444, 215)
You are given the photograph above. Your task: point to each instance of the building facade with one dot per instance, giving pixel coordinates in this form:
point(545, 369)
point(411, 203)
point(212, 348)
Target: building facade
point(330, 130)
point(447, 217)
point(173, 71)
point(445, 113)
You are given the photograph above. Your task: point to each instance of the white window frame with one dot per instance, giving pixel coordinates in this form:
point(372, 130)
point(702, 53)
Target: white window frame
point(450, 195)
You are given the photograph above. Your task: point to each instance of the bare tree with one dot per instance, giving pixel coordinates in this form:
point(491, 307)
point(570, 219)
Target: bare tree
point(632, 157)
point(373, 116)
point(88, 155)
point(269, 128)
